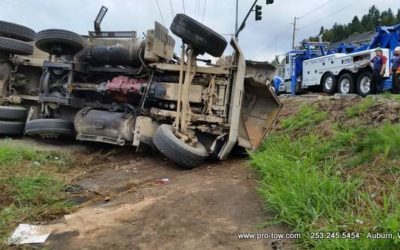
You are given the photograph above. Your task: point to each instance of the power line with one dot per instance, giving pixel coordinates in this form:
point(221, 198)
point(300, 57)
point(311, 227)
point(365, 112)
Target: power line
point(280, 38)
point(204, 10)
point(318, 8)
point(172, 9)
point(159, 9)
point(335, 13)
point(183, 5)
point(198, 9)
point(195, 7)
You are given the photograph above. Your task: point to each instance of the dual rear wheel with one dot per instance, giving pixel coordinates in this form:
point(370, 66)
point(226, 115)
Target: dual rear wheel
point(12, 120)
point(348, 84)
point(14, 38)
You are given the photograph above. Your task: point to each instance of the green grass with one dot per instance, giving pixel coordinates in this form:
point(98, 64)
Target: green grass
point(308, 115)
point(390, 96)
point(383, 141)
point(13, 155)
point(31, 186)
point(359, 108)
point(298, 188)
point(308, 182)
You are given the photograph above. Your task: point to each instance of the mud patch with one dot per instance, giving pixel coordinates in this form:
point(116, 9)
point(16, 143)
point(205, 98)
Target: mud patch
point(202, 208)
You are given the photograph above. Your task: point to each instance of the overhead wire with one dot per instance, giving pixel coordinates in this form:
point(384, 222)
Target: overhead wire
point(198, 9)
point(318, 8)
point(159, 9)
point(195, 7)
point(326, 17)
point(172, 9)
point(204, 10)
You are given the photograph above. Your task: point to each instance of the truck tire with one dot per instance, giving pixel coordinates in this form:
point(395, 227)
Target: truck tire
point(199, 36)
point(176, 150)
point(329, 84)
point(15, 46)
point(365, 84)
point(346, 84)
point(11, 128)
point(16, 31)
point(12, 113)
point(49, 128)
point(59, 42)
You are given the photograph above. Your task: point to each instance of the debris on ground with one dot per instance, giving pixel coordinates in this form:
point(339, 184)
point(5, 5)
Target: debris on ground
point(162, 181)
point(28, 234)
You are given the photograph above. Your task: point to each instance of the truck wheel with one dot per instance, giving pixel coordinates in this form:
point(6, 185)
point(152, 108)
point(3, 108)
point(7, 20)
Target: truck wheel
point(16, 31)
point(49, 128)
point(346, 84)
point(202, 38)
point(11, 128)
point(9, 113)
point(329, 84)
point(176, 150)
point(15, 46)
point(365, 84)
point(59, 42)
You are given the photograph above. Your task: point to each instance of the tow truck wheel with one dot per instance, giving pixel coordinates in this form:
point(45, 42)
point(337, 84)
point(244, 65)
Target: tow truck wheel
point(365, 84)
point(346, 84)
point(329, 84)
point(178, 151)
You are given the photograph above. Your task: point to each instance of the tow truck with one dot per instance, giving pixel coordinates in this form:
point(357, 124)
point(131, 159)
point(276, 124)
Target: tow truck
point(314, 68)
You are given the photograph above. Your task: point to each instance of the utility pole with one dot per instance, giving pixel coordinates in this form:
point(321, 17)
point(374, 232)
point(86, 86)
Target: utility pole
point(237, 17)
point(294, 31)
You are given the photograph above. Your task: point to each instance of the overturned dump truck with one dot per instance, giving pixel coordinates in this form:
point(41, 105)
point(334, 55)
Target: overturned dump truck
point(116, 88)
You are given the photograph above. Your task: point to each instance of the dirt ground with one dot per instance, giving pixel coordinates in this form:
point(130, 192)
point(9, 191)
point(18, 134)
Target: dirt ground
point(129, 200)
point(142, 201)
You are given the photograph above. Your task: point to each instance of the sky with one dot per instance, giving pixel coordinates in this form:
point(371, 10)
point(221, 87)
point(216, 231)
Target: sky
point(261, 40)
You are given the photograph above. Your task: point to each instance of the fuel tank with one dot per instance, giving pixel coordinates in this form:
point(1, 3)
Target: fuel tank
point(104, 126)
point(116, 51)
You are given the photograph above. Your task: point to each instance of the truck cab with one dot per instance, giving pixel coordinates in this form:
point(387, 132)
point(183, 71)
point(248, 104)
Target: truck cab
point(291, 68)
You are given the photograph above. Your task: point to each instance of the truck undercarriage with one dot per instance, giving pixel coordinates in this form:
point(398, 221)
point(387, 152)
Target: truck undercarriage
point(116, 88)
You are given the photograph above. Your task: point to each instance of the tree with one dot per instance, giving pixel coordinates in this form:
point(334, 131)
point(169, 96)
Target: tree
point(387, 17)
point(375, 17)
point(398, 16)
point(367, 22)
point(355, 26)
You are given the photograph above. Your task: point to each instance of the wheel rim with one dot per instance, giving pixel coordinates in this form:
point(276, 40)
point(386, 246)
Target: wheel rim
point(345, 86)
point(365, 84)
point(329, 83)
